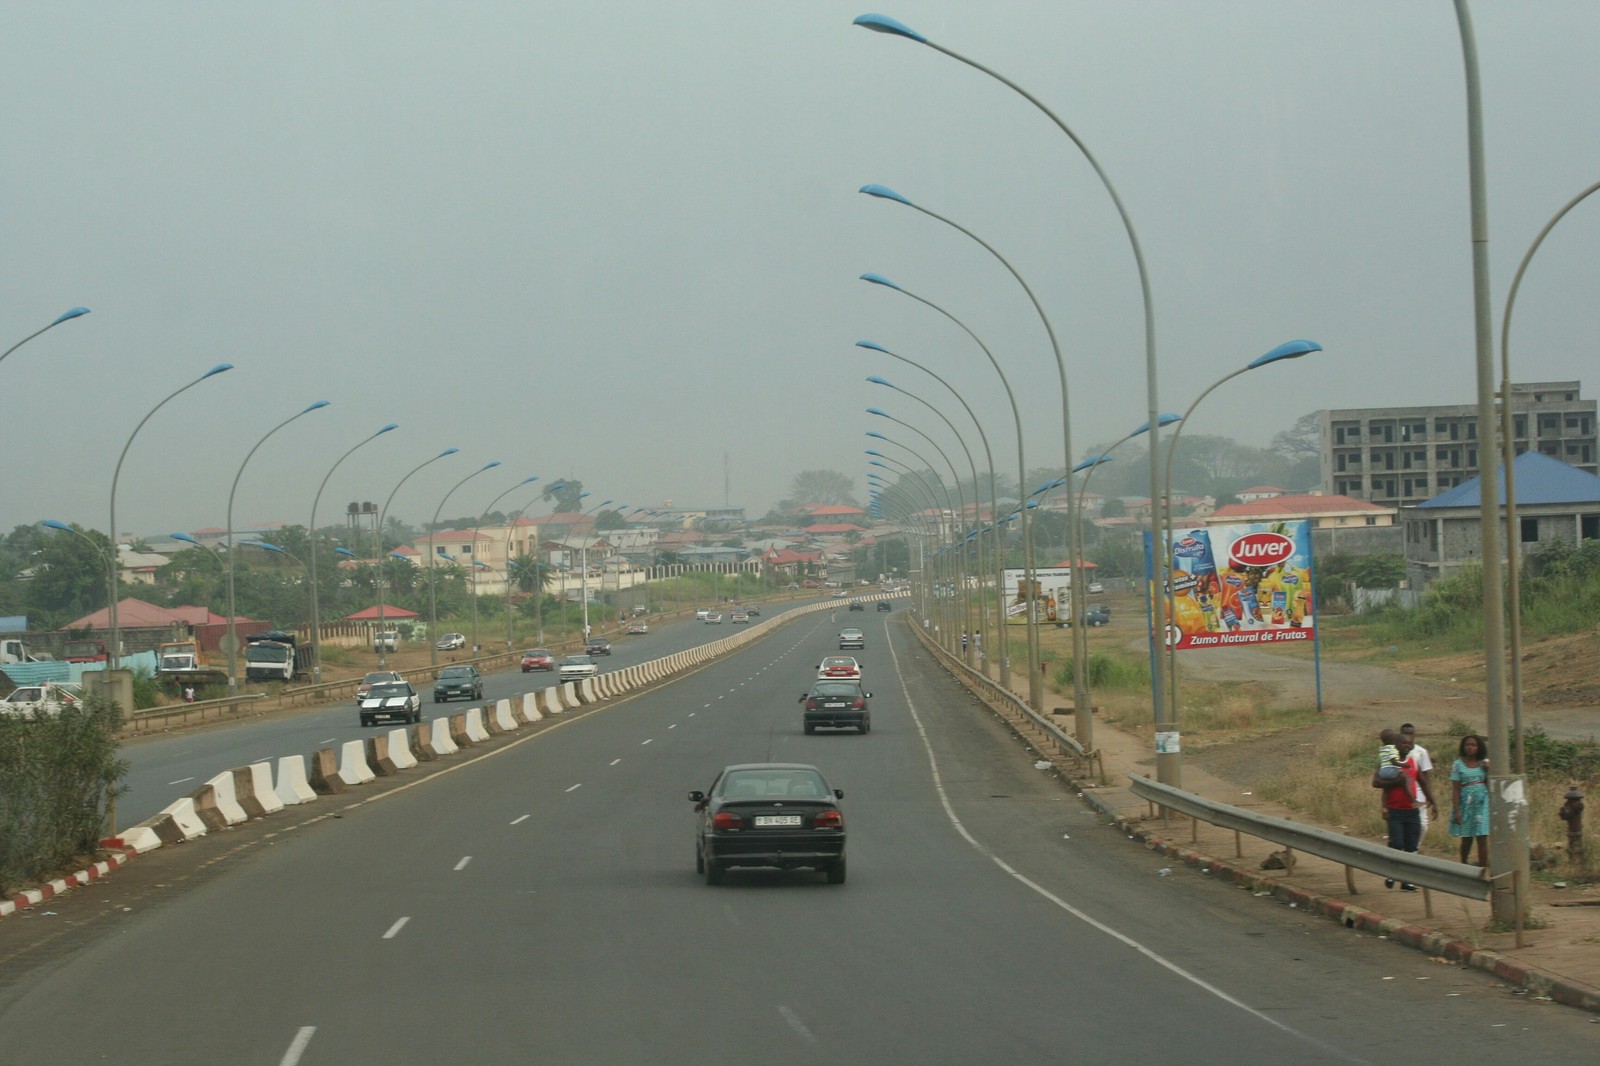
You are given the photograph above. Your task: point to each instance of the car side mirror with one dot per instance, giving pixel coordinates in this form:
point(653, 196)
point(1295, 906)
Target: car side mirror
point(838, 793)
point(697, 797)
point(866, 695)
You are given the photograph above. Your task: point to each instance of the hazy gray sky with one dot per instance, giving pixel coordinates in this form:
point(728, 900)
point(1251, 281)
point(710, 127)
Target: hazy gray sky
point(620, 241)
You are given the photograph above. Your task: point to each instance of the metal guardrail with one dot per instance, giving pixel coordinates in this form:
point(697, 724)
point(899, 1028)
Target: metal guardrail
point(1441, 875)
point(157, 717)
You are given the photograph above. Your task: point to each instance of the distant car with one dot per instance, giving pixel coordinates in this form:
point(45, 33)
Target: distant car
point(578, 667)
point(808, 584)
point(451, 641)
point(841, 594)
point(713, 618)
point(597, 646)
point(843, 667)
point(391, 700)
point(1092, 616)
point(538, 659)
point(857, 605)
point(792, 585)
point(740, 618)
point(640, 609)
point(769, 814)
point(753, 610)
point(851, 638)
point(700, 615)
point(638, 625)
point(377, 677)
point(885, 605)
point(1095, 588)
point(458, 682)
point(836, 704)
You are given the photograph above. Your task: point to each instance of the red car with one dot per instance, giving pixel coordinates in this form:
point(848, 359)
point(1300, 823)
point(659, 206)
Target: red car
point(538, 659)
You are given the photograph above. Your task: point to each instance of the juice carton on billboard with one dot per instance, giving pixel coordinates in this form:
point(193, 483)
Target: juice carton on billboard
point(1240, 583)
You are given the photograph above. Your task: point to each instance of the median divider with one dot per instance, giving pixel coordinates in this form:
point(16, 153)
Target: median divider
point(353, 768)
point(293, 788)
point(530, 708)
point(552, 700)
point(377, 753)
point(253, 784)
point(216, 800)
point(441, 738)
point(458, 730)
point(400, 749)
point(503, 716)
point(475, 727)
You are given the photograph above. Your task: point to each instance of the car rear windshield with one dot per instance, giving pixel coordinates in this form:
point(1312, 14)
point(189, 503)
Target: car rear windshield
point(455, 671)
point(773, 784)
point(384, 692)
point(836, 688)
point(373, 679)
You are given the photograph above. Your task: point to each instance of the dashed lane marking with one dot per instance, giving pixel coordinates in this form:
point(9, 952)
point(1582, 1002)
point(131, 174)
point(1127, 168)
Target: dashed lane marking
point(525, 817)
point(396, 927)
point(297, 1046)
point(462, 865)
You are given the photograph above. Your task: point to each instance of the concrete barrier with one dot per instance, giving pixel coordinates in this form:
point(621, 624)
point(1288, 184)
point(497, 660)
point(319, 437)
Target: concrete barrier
point(253, 785)
point(142, 838)
point(217, 799)
point(422, 742)
point(475, 727)
point(552, 700)
point(586, 691)
point(400, 749)
point(292, 784)
point(178, 821)
point(458, 731)
point(503, 718)
point(569, 694)
point(353, 768)
point(440, 739)
point(325, 779)
point(530, 708)
point(377, 755)
point(490, 724)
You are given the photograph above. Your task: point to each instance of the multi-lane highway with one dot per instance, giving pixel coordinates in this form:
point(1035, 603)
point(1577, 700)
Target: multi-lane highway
point(541, 905)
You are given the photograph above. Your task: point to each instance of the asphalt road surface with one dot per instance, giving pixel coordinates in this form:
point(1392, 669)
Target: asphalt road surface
point(540, 905)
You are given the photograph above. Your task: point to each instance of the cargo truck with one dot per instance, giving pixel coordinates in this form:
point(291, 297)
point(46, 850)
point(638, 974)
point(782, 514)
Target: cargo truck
point(274, 656)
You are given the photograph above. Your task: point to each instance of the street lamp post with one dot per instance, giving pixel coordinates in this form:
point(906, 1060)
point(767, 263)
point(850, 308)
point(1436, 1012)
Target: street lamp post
point(433, 607)
point(65, 316)
point(233, 636)
point(311, 533)
point(116, 474)
point(884, 24)
point(51, 523)
point(1035, 683)
point(474, 577)
point(378, 554)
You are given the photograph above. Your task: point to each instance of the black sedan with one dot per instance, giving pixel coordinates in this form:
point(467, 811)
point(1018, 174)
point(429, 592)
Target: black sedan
point(841, 704)
point(597, 646)
point(782, 815)
point(461, 682)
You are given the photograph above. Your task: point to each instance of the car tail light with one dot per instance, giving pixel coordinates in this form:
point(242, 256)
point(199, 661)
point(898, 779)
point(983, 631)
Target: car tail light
point(726, 820)
point(811, 704)
point(828, 820)
point(858, 704)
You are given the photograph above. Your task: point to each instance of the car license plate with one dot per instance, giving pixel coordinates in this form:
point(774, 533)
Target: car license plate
point(777, 819)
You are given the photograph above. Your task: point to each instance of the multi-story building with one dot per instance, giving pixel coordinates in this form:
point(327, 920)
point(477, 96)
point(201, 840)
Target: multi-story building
point(1401, 456)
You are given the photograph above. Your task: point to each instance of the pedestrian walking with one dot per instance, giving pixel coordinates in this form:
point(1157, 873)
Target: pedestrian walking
point(1469, 807)
point(1405, 796)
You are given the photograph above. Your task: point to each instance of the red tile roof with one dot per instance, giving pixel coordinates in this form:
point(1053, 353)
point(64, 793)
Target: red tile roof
point(843, 527)
point(1276, 506)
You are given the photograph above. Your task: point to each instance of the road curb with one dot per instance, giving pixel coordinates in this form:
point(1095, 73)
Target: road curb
point(32, 897)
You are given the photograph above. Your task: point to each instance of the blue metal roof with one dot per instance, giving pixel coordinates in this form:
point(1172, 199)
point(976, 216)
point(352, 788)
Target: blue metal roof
point(1540, 480)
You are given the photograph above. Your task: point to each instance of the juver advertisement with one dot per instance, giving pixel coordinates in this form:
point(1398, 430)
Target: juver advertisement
point(1242, 583)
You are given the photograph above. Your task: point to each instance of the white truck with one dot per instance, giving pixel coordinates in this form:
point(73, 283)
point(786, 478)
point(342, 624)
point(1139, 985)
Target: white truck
point(386, 640)
point(16, 651)
point(30, 701)
point(274, 657)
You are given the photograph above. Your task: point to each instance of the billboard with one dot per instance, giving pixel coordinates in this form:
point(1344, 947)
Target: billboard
point(1240, 583)
point(1051, 601)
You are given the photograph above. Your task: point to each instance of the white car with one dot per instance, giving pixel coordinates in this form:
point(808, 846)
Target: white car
point(391, 700)
point(713, 618)
point(700, 615)
point(29, 701)
point(577, 667)
point(452, 641)
point(1095, 588)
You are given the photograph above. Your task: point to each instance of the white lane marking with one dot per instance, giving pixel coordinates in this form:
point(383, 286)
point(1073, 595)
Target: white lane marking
point(674, 725)
point(330, 740)
point(180, 780)
point(615, 761)
point(796, 1024)
point(691, 714)
point(575, 788)
point(462, 865)
point(1167, 964)
point(525, 817)
point(297, 1046)
point(642, 743)
point(396, 927)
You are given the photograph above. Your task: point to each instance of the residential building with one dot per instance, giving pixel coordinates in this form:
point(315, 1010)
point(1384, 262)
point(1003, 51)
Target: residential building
point(1339, 524)
point(1402, 456)
point(1555, 503)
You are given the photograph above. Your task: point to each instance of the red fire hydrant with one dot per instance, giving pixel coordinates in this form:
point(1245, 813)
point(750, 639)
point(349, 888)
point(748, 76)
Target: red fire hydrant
point(1571, 812)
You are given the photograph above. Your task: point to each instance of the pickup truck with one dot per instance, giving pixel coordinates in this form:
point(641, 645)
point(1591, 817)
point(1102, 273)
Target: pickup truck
point(29, 701)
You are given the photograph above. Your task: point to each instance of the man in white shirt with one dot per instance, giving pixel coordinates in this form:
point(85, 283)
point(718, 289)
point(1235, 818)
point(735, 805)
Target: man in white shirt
point(1424, 764)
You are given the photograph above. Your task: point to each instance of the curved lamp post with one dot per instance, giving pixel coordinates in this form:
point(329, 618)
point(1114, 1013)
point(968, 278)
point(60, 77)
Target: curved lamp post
point(51, 523)
point(946, 627)
point(1080, 640)
point(994, 506)
point(886, 25)
point(474, 577)
point(378, 554)
point(931, 506)
point(1286, 350)
point(583, 565)
point(433, 527)
point(1035, 682)
point(116, 474)
point(66, 316)
point(233, 635)
point(311, 532)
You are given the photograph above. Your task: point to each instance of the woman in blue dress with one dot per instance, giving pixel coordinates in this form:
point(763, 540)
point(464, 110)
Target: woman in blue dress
point(1469, 779)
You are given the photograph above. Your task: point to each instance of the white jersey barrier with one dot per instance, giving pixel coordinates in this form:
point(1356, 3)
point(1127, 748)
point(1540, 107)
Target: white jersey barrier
point(530, 707)
point(552, 700)
point(503, 717)
point(353, 768)
point(263, 798)
point(442, 742)
point(292, 784)
point(400, 749)
point(475, 728)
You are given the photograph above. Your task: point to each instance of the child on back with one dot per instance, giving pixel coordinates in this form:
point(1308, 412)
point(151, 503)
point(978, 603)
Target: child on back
point(1388, 753)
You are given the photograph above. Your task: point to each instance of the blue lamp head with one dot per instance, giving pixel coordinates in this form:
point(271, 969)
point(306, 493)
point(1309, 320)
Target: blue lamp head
point(873, 347)
point(875, 453)
point(1286, 350)
point(602, 503)
point(51, 523)
point(319, 405)
point(220, 368)
point(876, 380)
point(386, 429)
point(880, 412)
point(345, 552)
point(883, 192)
point(879, 279)
point(447, 451)
point(1093, 460)
point(876, 434)
point(527, 481)
point(877, 463)
point(885, 24)
point(397, 555)
point(264, 546)
point(69, 315)
point(488, 466)
point(1162, 422)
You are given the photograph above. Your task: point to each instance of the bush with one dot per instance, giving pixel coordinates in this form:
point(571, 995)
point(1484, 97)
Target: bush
point(1104, 672)
point(59, 776)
